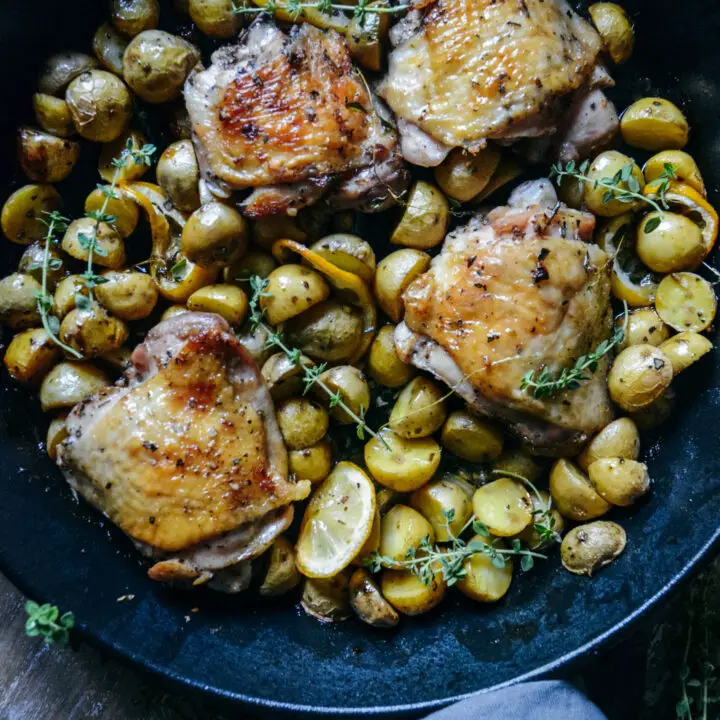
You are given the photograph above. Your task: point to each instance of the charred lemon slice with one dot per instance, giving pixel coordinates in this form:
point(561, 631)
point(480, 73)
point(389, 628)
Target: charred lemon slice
point(337, 523)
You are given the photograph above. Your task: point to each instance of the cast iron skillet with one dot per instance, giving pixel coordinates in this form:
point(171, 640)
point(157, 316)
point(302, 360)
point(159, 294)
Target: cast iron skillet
point(268, 654)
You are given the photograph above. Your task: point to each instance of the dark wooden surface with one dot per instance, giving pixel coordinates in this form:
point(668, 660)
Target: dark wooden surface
point(637, 680)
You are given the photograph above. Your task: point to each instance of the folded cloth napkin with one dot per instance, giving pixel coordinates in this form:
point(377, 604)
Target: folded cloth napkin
point(546, 700)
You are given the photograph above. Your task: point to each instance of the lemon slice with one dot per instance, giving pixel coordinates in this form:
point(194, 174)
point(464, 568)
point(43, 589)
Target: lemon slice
point(338, 521)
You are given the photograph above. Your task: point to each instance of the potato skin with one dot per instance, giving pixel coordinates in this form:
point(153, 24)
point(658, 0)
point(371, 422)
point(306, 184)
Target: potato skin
point(127, 295)
point(57, 432)
point(31, 264)
point(619, 481)
point(402, 529)
point(639, 375)
point(684, 349)
point(131, 17)
point(65, 292)
point(228, 301)
point(572, 493)
point(368, 603)
point(408, 594)
point(618, 439)
point(60, 69)
point(587, 548)
point(470, 438)
point(436, 499)
point(303, 423)
point(615, 28)
point(675, 244)
point(53, 115)
point(45, 158)
point(384, 365)
point(70, 382)
point(654, 124)
point(109, 47)
point(419, 409)
point(215, 235)
point(178, 175)
point(311, 463)
point(644, 327)
point(30, 355)
point(463, 175)
point(605, 165)
point(214, 18)
point(282, 575)
point(93, 332)
point(425, 219)
point(18, 303)
point(100, 105)
point(484, 582)
point(394, 273)
point(504, 506)
point(108, 239)
point(353, 388)
point(156, 65)
point(327, 599)
point(24, 210)
point(348, 252)
point(292, 289)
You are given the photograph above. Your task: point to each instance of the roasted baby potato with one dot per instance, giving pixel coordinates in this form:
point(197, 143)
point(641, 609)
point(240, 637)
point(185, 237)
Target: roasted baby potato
point(53, 115)
point(644, 327)
point(684, 167)
point(109, 47)
point(439, 500)
point(686, 302)
point(384, 365)
point(654, 124)
point(266, 231)
point(282, 575)
point(470, 438)
point(615, 28)
point(129, 295)
point(31, 263)
point(117, 360)
point(504, 506)
point(419, 409)
point(639, 375)
point(112, 151)
point(311, 463)
point(283, 377)
point(619, 481)
point(668, 242)
point(57, 432)
point(215, 18)
point(156, 65)
point(463, 175)
point(425, 219)
point(100, 105)
point(228, 301)
point(588, 548)
point(684, 349)
point(372, 544)
point(111, 252)
point(18, 301)
point(403, 529)
point(484, 581)
point(131, 17)
point(302, 422)
point(607, 165)
point(122, 208)
point(65, 294)
point(348, 252)
point(520, 462)
point(406, 465)
point(329, 331)
point(408, 594)
point(30, 355)
point(618, 439)
point(70, 382)
point(61, 69)
point(93, 332)
point(24, 211)
point(45, 158)
point(327, 599)
point(656, 413)
point(215, 235)
point(366, 38)
point(572, 493)
point(291, 290)
point(387, 498)
point(554, 520)
point(178, 175)
point(394, 273)
point(251, 263)
point(353, 389)
point(368, 603)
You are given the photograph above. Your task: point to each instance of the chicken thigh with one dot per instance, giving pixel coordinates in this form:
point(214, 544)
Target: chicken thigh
point(467, 71)
point(518, 289)
point(285, 115)
point(185, 454)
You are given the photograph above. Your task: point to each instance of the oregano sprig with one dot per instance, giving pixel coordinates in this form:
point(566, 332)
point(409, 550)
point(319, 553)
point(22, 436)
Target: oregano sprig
point(428, 559)
point(544, 384)
point(295, 8)
point(46, 621)
point(311, 372)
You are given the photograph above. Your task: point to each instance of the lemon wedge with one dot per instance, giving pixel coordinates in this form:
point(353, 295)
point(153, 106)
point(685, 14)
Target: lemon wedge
point(337, 523)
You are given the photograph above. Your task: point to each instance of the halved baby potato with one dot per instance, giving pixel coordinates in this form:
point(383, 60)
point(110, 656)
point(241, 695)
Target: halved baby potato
point(654, 124)
point(368, 603)
point(425, 219)
point(463, 175)
point(686, 302)
point(384, 365)
point(394, 273)
point(348, 252)
point(402, 530)
point(485, 581)
point(504, 506)
point(618, 480)
point(684, 349)
point(311, 463)
point(282, 574)
point(618, 439)
point(589, 547)
point(408, 594)
point(30, 355)
point(24, 211)
point(471, 438)
point(292, 289)
point(419, 409)
point(439, 500)
point(228, 301)
point(70, 382)
point(638, 376)
point(573, 494)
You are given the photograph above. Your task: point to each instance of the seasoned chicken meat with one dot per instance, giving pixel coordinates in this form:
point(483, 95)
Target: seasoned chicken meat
point(466, 71)
point(185, 454)
point(518, 289)
point(285, 115)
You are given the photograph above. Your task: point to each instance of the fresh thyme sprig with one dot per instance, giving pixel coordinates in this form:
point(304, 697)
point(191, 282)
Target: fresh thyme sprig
point(88, 241)
point(546, 385)
point(295, 8)
point(46, 621)
point(55, 223)
point(543, 521)
point(311, 373)
point(428, 559)
point(622, 186)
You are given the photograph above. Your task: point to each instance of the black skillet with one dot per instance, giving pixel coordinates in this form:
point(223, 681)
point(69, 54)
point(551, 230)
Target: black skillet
point(269, 656)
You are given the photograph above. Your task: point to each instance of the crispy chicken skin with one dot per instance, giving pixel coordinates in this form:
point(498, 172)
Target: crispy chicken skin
point(465, 71)
point(185, 450)
point(516, 290)
point(289, 113)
